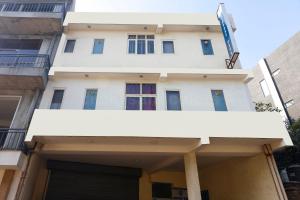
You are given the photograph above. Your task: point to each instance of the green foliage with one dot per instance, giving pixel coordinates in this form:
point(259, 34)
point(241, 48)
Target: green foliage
point(288, 155)
point(294, 131)
point(265, 107)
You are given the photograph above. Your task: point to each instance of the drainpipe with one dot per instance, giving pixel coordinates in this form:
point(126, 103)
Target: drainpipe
point(34, 105)
point(278, 92)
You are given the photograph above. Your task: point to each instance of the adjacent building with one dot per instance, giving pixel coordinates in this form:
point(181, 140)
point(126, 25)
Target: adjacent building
point(29, 35)
point(277, 79)
point(142, 106)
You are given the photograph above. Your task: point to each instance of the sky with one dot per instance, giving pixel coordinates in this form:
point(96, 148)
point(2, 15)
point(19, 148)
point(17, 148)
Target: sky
point(262, 25)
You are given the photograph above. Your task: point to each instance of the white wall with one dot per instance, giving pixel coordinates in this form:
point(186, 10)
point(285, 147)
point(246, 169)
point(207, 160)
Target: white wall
point(188, 51)
point(195, 95)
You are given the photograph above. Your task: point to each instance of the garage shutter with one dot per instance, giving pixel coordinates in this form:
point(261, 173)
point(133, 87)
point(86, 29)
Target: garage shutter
point(77, 181)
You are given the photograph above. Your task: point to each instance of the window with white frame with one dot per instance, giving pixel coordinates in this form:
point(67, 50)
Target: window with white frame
point(276, 72)
point(289, 103)
point(173, 100)
point(168, 47)
point(140, 96)
point(219, 100)
point(141, 44)
point(70, 45)
point(90, 99)
point(207, 48)
point(264, 88)
point(98, 46)
point(57, 99)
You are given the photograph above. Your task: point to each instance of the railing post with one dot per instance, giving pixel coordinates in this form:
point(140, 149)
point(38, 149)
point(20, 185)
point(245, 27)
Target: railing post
point(16, 61)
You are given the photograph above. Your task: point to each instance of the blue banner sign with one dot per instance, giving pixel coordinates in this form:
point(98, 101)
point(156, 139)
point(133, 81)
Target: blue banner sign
point(227, 30)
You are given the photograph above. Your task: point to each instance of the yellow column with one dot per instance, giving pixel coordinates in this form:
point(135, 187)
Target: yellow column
point(145, 187)
point(192, 177)
point(274, 171)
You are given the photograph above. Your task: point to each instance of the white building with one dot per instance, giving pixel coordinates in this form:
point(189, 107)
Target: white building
point(89, 140)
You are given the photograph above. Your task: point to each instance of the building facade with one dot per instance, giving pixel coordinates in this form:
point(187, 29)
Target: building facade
point(29, 35)
point(142, 106)
point(277, 79)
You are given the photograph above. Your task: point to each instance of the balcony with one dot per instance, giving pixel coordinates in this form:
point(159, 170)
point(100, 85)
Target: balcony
point(31, 18)
point(23, 71)
point(12, 139)
point(12, 147)
point(184, 128)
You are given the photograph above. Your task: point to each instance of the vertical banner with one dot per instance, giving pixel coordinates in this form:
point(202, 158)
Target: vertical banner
point(223, 17)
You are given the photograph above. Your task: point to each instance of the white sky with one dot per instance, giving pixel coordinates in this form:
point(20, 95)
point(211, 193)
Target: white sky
point(146, 5)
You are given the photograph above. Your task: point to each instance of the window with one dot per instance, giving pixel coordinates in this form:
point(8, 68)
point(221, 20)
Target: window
point(57, 99)
point(69, 48)
point(141, 44)
point(140, 96)
point(168, 47)
point(219, 100)
point(20, 46)
point(173, 100)
point(90, 99)
point(289, 103)
point(264, 88)
point(207, 47)
point(98, 46)
point(276, 72)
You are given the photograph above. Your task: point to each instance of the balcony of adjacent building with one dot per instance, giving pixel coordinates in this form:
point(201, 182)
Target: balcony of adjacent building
point(21, 65)
point(12, 146)
point(31, 17)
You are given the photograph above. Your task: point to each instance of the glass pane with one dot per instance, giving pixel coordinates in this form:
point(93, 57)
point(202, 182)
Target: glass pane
point(132, 103)
point(149, 103)
point(150, 47)
point(133, 88)
point(168, 47)
point(131, 36)
point(265, 88)
point(98, 46)
point(207, 47)
point(173, 100)
point(149, 89)
point(131, 47)
point(70, 46)
point(141, 36)
point(57, 99)
point(219, 100)
point(90, 99)
point(141, 47)
point(150, 36)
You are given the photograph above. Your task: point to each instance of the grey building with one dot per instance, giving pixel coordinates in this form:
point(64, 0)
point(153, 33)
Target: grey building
point(30, 31)
point(277, 79)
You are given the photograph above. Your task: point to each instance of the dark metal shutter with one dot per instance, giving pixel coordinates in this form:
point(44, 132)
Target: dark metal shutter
point(86, 182)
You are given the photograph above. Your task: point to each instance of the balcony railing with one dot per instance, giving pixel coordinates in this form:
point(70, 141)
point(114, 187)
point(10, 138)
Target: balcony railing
point(12, 139)
point(25, 60)
point(33, 7)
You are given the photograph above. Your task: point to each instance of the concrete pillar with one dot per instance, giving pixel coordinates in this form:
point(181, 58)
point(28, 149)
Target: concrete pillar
point(6, 183)
point(145, 187)
point(192, 177)
point(274, 172)
point(27, 186)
